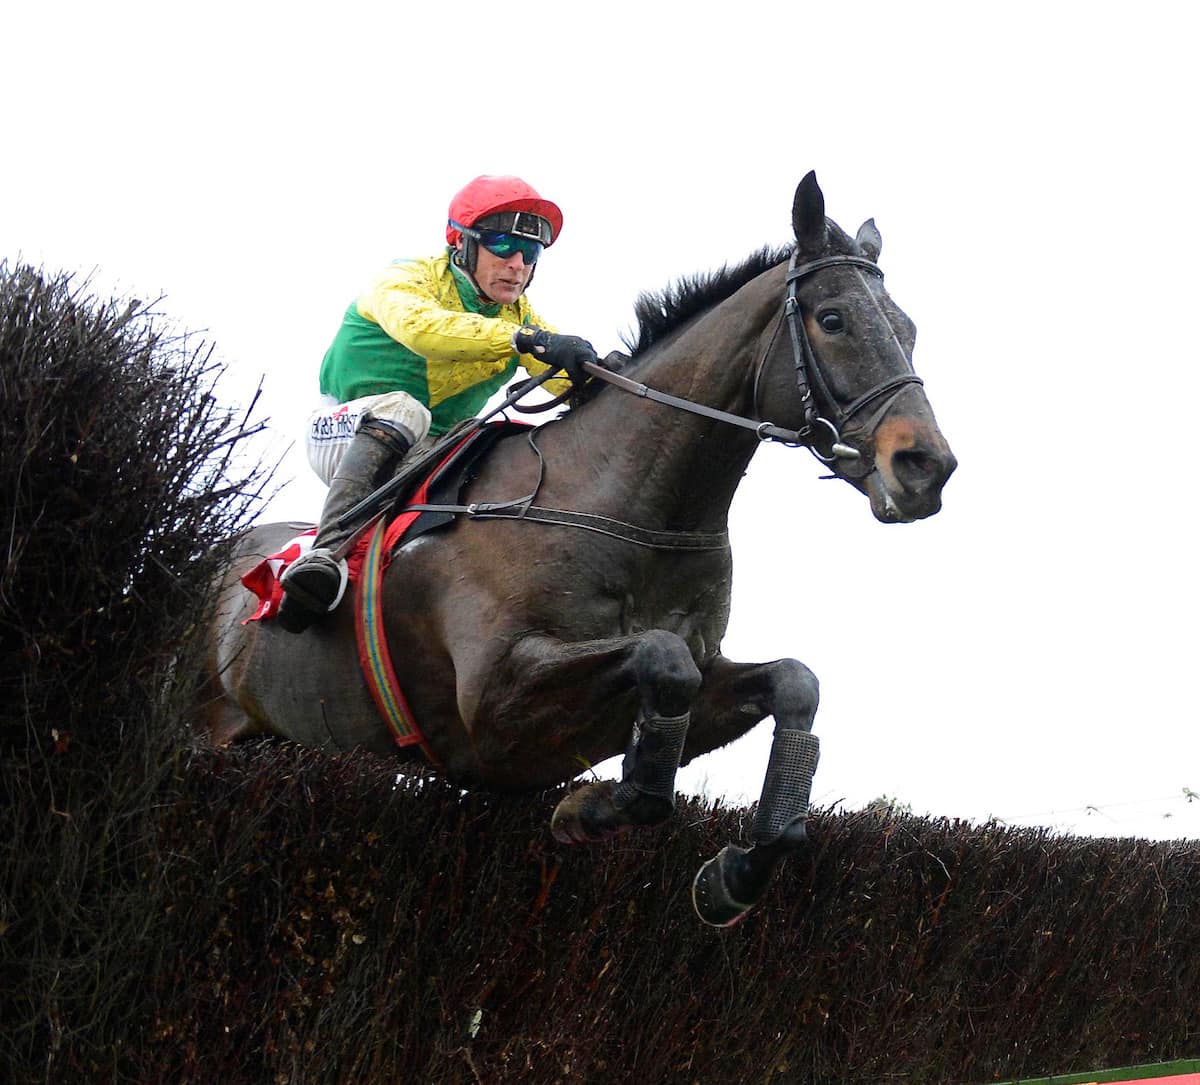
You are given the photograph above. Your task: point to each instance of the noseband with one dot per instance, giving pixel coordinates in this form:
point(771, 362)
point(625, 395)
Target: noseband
point(809, 376)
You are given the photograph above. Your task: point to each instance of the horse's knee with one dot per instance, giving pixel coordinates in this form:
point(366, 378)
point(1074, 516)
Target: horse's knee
point(667, 676)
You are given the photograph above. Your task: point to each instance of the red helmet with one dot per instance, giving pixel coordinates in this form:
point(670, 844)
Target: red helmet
point(489, 195)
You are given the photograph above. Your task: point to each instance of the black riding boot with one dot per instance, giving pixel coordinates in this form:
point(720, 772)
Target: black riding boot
point(313, 585)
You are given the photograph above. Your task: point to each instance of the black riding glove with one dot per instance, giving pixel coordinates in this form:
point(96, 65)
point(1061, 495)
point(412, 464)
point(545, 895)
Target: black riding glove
point(566, 352)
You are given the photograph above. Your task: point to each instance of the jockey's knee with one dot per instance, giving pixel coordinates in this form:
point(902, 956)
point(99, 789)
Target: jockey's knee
point(332, 427)
point(399, 409)
point(667, 676)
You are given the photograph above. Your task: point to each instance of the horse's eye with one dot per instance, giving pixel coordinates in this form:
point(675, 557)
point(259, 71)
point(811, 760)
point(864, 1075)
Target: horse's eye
point(831, 321)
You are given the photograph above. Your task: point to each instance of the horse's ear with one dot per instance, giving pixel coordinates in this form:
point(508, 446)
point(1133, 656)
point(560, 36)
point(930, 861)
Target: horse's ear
point(808, 211)
point(869, 240)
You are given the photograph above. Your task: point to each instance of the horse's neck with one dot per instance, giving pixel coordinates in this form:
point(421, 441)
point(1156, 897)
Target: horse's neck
point(679, 470)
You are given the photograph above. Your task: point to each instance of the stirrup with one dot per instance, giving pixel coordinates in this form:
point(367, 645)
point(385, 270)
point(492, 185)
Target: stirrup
point(322, 563)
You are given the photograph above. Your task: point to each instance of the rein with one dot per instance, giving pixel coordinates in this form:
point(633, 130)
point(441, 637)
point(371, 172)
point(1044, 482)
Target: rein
point(766, 431)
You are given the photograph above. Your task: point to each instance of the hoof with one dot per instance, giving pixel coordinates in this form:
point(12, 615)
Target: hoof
point(590, 814)
point(716, 902)
point(587, 816)
point(733, 882)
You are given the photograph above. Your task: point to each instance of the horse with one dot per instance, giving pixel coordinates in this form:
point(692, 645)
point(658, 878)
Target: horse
point(529, 650)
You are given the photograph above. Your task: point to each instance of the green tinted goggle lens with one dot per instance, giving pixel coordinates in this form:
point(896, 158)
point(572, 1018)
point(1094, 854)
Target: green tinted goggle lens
point(505, 245)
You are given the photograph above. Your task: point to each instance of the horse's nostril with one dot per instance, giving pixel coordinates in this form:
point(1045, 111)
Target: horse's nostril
point(916, 470)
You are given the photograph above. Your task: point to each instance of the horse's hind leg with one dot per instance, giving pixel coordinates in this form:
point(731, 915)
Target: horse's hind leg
point(735, 697)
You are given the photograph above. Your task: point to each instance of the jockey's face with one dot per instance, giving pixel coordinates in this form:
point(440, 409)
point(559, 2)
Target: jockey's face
point(502, 280)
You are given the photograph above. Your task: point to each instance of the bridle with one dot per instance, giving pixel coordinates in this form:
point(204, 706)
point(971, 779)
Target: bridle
point(809, 376)
point(817, 427)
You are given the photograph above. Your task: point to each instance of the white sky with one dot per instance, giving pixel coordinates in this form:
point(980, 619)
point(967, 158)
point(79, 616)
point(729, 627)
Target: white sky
point(1029, 653)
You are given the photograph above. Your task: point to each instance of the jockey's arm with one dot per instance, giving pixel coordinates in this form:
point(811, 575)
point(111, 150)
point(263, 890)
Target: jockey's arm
point(406, 305)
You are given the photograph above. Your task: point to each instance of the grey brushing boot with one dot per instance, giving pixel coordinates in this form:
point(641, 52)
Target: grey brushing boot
point(732, 882)
point(313, 585)
point(646, 793)
point(783, 807)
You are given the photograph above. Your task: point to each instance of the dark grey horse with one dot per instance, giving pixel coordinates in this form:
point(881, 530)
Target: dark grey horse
point(528, 651)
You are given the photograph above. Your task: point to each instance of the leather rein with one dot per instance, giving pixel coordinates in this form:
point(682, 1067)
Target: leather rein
point(816, 425)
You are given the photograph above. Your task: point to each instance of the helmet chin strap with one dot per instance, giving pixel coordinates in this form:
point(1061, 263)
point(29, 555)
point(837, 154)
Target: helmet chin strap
point(462, 257)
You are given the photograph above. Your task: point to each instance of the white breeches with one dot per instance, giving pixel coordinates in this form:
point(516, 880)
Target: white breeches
point(332, 426)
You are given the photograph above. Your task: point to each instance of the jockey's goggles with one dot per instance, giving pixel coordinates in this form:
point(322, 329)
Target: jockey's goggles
point(506, 243)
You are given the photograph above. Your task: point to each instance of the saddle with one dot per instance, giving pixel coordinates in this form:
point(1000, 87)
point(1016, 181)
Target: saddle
point(435, 474)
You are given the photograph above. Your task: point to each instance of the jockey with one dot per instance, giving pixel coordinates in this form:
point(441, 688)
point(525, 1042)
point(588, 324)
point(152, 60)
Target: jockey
point(423, 348)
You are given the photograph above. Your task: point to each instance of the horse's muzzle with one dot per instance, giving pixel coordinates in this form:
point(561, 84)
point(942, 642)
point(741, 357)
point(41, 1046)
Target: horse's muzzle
point(907, 482)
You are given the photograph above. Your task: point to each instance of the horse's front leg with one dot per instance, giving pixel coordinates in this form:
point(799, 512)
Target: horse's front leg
point(657, 668)
point(733, 698)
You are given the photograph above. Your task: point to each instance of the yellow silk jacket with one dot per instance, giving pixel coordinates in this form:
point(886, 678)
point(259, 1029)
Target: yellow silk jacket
point(422, 328)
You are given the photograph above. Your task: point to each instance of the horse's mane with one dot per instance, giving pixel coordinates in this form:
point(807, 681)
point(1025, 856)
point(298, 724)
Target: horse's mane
point(658, 313)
